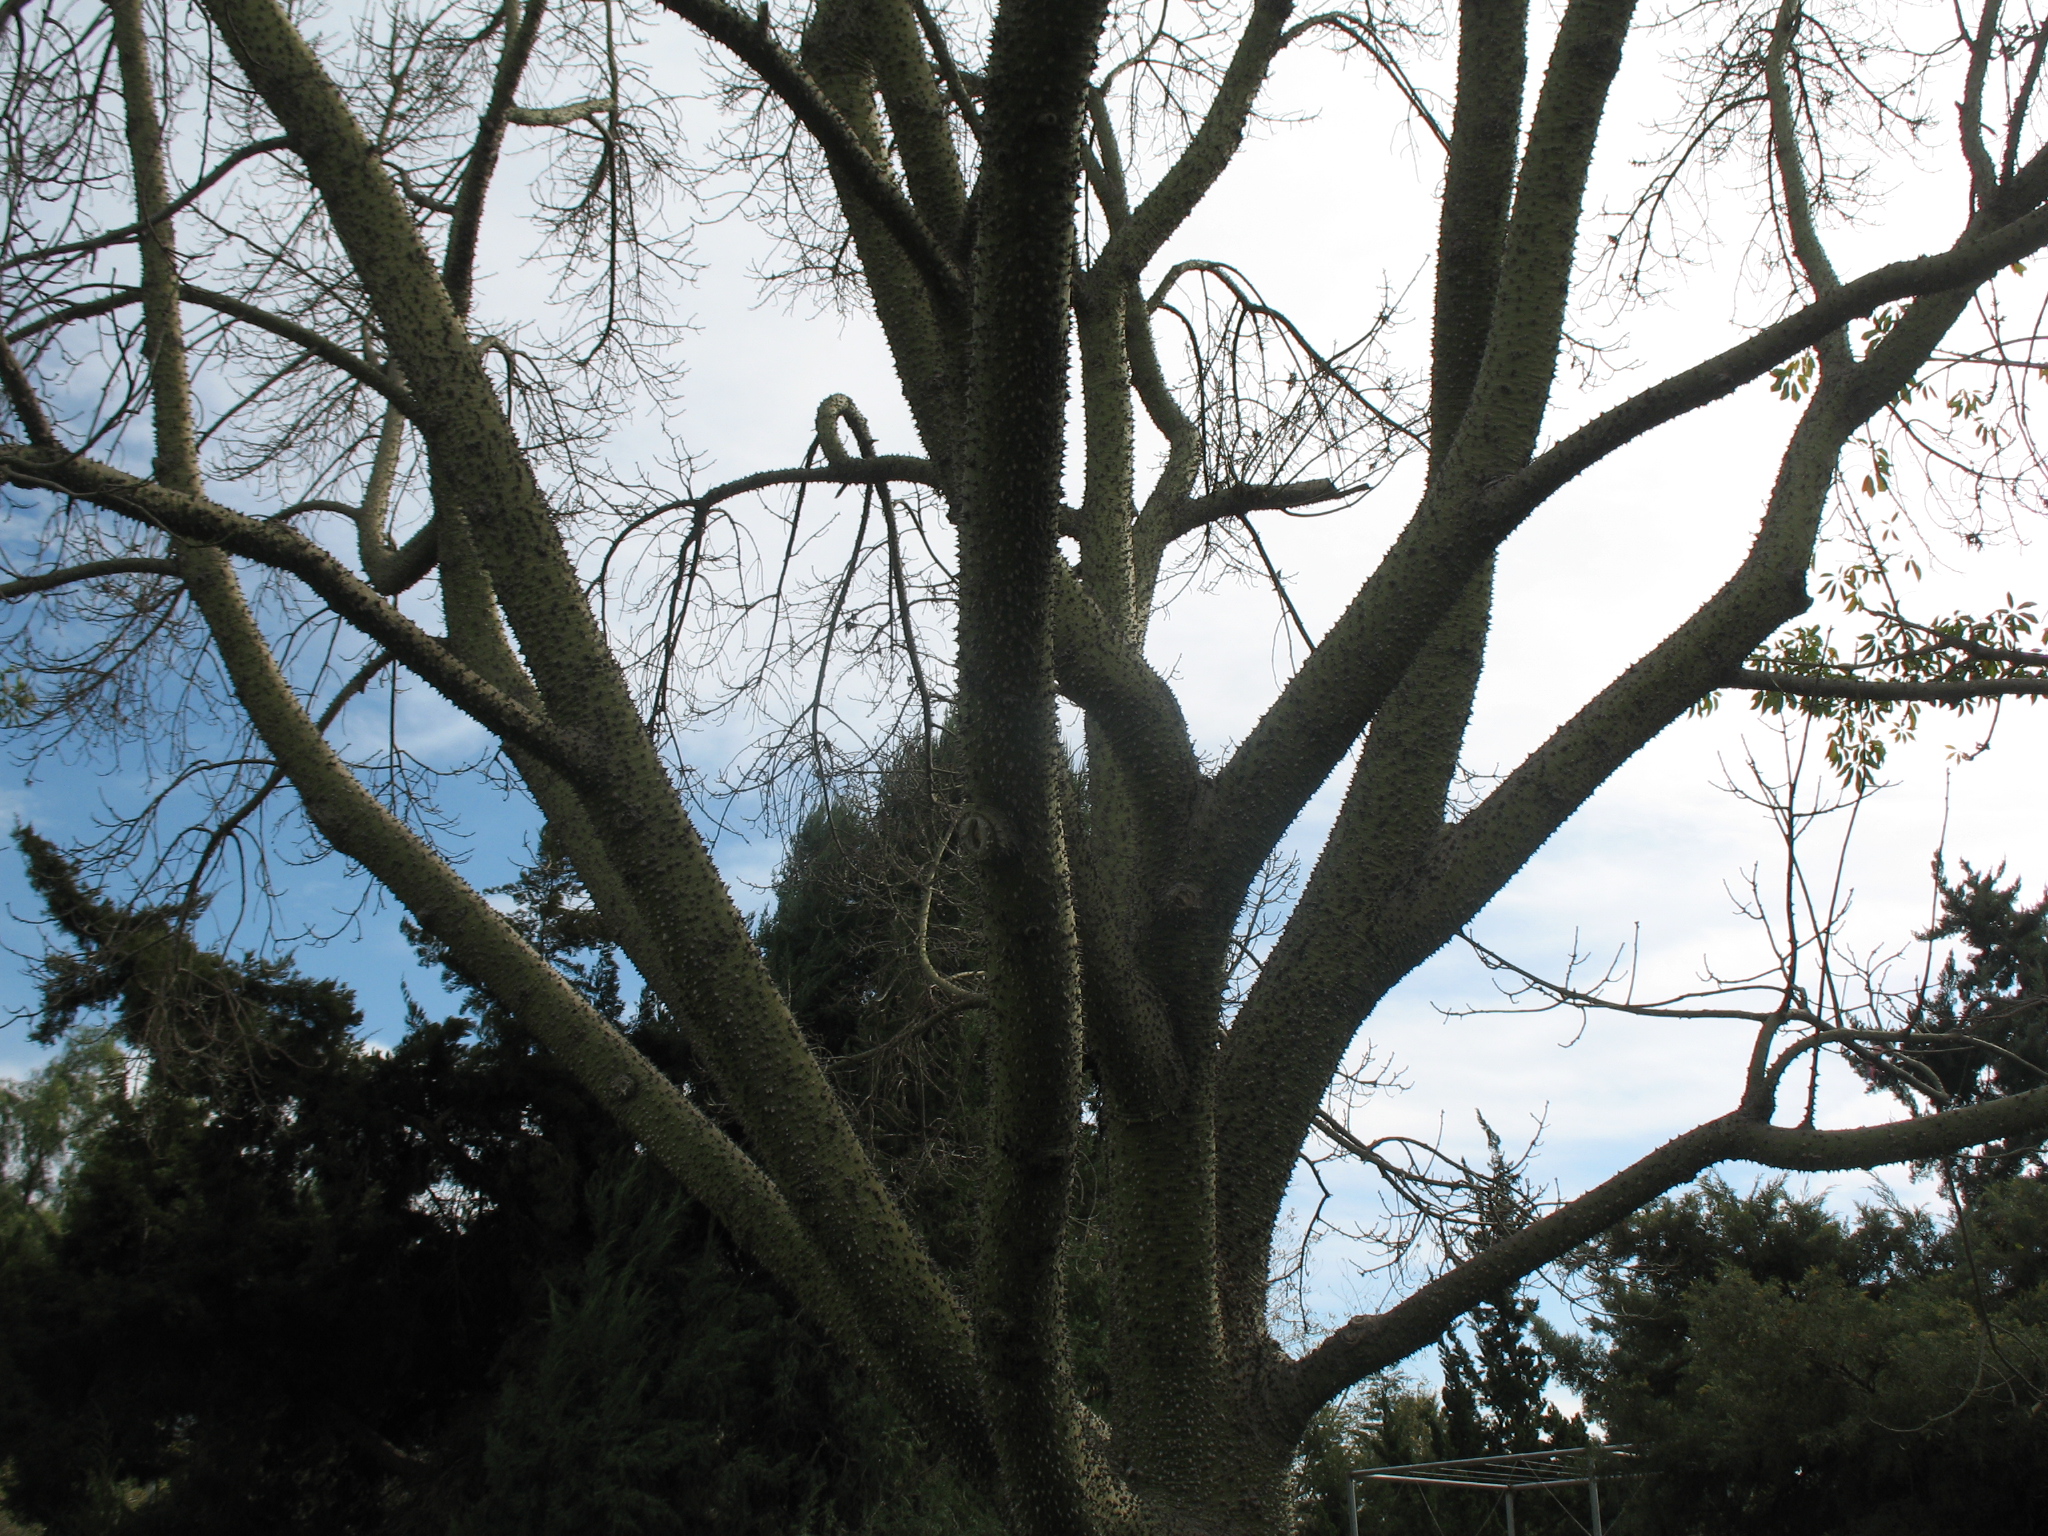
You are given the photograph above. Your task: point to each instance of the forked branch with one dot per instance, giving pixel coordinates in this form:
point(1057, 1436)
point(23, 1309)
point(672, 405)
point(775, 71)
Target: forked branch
point(1373, 1341)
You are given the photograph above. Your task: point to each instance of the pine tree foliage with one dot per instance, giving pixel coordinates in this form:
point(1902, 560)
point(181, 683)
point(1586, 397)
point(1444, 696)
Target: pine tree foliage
point(1980, 1032)
point(1495, 1389)
point(257, 1275)
point(1793, 1371)
point(1391, 1421)
point(871, 937)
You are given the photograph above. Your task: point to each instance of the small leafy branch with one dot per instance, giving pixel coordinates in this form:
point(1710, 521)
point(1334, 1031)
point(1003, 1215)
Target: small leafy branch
point(1959, 653)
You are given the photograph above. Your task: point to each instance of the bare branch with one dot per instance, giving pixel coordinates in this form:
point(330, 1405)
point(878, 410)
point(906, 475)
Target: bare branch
point(1237, 500)
point(1973, 259)
point(1800, 685)
point(21, 396)
point(105, 304)
point(91, 570)
point(562, 116)
point(480, 166)
point(1371, 1342)
point(1806, 243)
point(1970, 111)
point(202, 522)
point(128, 232)
point(1362, 32)
point(754, 44)
point(1209, 153)
point(1128, 702)
point(313, 342)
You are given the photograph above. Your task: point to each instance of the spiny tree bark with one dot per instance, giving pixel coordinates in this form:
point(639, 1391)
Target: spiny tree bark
point(957, 164)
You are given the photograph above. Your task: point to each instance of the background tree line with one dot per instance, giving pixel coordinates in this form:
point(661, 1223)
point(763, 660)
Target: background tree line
point(257, 1274)
point(1786, 1368)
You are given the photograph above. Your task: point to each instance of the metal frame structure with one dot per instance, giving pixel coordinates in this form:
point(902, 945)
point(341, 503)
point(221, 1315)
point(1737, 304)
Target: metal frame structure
point(1576, 1466)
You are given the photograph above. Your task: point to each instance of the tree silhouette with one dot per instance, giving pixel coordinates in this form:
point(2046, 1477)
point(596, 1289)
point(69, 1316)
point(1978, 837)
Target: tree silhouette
point(283, 452)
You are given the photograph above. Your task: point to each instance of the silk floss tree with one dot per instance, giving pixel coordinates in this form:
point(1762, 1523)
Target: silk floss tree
point(271, 449)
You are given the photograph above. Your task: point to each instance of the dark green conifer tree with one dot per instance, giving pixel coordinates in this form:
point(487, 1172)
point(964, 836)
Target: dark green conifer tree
point(258, 1275)
point(1982, 1027)
point(1795, 1372)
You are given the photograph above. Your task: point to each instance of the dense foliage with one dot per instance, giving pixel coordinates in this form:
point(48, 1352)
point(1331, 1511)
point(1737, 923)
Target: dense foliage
point(1798, 1372)
point(260, 1275)
point(1980, 1031)
point(1787, 1369)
